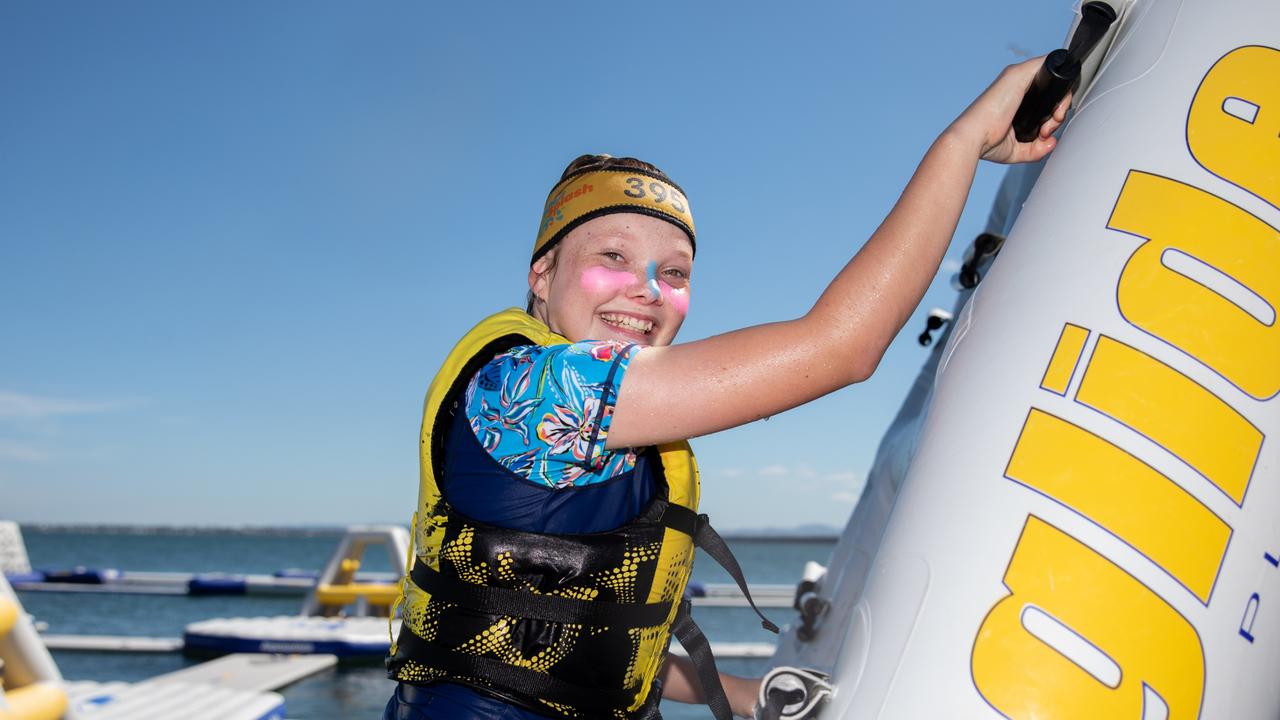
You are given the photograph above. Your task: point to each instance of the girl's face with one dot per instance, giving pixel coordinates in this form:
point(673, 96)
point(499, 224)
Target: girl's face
point(623, 277)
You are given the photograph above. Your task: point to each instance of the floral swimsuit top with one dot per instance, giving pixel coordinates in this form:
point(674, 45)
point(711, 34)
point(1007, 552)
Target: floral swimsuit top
point(544, 412)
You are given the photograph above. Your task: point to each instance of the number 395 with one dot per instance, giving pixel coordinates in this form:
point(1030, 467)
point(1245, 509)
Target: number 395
point(658, 191)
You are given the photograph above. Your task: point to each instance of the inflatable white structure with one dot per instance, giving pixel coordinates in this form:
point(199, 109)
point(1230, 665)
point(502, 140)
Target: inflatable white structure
point(1084, 524)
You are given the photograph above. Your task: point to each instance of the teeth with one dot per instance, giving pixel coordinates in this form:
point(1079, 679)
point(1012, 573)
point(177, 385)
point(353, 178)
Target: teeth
point(626, 321)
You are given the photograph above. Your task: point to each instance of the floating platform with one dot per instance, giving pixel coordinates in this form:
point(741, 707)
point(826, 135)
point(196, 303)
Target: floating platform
point(112, 643)
point(340, 616)
point(256, 673)
point(347, 637)
point(122, 701)
point(238, 687)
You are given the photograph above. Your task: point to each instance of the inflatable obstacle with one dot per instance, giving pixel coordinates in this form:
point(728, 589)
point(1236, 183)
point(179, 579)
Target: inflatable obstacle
point(1073, 516)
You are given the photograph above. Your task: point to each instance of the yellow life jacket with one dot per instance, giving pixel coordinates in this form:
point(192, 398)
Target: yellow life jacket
point(569, 625)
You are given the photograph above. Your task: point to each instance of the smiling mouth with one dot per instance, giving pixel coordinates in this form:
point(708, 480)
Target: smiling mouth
point(626, 322)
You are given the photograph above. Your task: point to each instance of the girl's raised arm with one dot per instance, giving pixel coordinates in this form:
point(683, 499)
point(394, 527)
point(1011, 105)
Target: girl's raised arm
point(686, 390)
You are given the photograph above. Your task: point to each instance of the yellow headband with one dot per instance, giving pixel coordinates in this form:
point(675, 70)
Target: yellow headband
point(601, 192)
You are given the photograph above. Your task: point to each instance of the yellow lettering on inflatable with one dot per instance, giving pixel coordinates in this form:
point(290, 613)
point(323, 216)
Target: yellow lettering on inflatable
point(1065, 356)
point(1174, 411)
point(1024, 678)
point(1125, 496)
point(1233, 129)
point(1191, 316)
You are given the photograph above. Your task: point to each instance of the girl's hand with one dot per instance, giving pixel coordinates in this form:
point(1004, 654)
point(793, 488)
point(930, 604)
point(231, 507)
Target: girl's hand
point(988, 121)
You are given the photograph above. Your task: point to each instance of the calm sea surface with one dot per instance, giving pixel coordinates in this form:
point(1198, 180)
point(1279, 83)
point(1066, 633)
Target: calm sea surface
point(349, 691)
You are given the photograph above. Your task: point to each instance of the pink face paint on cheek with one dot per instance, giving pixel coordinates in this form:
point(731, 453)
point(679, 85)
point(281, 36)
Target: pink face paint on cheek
point(678, 297)
point(600, 279)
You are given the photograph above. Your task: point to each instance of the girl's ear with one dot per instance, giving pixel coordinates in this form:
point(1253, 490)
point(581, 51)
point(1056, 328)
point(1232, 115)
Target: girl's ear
point(540, 274)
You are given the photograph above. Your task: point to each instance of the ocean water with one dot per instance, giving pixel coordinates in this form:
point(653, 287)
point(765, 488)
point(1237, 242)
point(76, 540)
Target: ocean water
point(350, 690)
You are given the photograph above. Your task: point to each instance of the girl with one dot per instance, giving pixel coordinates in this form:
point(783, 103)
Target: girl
point(557, 512)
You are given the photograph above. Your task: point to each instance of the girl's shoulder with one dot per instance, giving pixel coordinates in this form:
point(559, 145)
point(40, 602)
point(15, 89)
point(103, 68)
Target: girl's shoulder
point(568, 374)
point(586, 358)
point(544, 412)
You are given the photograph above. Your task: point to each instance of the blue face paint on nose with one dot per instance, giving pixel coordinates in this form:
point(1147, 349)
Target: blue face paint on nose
point(652, 284)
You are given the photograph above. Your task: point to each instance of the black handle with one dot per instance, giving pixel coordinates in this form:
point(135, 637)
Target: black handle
point(1055, 78)
point(1061, 71)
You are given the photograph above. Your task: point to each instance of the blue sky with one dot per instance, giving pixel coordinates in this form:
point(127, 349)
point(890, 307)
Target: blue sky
point(236, 239)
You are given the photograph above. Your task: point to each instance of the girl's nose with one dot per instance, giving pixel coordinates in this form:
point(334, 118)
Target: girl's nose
point(646, 287)
point(651, 282)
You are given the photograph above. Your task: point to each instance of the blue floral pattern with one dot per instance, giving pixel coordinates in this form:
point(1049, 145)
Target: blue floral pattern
point(544, 412)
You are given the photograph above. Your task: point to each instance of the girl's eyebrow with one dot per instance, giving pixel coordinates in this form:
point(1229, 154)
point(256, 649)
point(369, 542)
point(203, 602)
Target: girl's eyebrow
point(614, 237)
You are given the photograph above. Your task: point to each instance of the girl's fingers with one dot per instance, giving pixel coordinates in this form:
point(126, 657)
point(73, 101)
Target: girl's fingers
point(1044, 145)
point(1059, 116)
point(1060, 112)
point(1034, 150)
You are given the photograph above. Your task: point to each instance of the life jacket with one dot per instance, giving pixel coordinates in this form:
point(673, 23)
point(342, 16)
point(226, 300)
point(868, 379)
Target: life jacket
point(565, 623)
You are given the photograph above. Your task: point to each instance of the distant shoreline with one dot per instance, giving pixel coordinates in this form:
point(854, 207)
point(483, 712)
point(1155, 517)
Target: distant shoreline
point(799, 535)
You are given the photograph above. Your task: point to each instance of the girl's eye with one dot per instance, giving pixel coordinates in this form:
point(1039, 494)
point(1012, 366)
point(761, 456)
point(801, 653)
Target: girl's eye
point(612, 255)
point(676, 273)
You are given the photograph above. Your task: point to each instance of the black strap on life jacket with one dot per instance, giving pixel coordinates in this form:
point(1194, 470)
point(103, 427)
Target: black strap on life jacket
point(704, 536)
point(529, 683)
point(678, 517)
point(695, 643)
point(520, 603)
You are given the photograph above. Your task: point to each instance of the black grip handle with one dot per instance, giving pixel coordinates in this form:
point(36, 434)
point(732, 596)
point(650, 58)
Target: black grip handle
point(1061, 71)
point(1055, 78)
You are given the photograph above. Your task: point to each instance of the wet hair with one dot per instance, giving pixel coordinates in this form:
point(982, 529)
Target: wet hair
point(591, 163)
